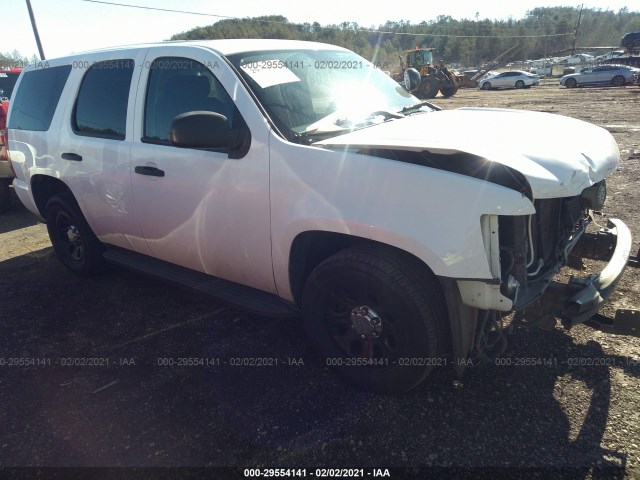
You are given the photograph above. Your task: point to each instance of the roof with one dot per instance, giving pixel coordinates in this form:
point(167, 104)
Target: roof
point(231, 46)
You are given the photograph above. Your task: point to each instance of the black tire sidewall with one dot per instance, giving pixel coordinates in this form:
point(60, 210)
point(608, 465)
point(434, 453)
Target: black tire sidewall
point(615, 81)
point(416, 338)
point(92, 261)
point(5, 195)
point(428, 87)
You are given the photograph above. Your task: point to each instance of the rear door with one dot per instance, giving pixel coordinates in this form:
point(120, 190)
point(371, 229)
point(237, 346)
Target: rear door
point(201, 209)
point(601, 74)
point(95, 143)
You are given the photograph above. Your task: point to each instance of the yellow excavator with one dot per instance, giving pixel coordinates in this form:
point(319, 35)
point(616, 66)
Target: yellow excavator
point(424, 78)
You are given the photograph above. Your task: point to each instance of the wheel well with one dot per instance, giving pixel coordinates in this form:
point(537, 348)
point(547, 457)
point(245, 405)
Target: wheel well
point(43, 188)
point(309, 249)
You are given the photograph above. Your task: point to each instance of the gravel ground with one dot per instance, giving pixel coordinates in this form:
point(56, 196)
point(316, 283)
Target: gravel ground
point(557, 402)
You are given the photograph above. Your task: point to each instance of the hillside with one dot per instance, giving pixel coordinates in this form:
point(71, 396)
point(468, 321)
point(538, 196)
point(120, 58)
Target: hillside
point(543, 31)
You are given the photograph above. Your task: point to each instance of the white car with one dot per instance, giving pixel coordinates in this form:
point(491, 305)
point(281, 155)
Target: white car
point(295, 178)
point(511, 79)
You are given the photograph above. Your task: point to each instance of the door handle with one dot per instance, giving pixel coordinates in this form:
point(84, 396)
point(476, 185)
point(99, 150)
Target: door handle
point(72, 156)
point(151, 171)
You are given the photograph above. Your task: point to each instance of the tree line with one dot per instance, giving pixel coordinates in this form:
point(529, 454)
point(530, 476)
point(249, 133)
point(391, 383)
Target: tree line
point(542, 32)
point(545, 31)
point(16, 59)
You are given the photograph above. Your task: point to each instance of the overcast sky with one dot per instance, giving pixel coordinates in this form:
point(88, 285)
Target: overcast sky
point(68, 26)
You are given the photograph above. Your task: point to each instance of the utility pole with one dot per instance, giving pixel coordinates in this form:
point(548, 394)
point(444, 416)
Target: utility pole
point(575, 34)
point(35, 30)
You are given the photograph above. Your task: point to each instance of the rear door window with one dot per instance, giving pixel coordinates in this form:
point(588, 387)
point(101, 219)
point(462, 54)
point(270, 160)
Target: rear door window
point(35, 102)
point(101, 106)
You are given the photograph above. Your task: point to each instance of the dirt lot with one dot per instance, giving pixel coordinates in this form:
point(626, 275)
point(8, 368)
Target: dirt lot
point(578, 408)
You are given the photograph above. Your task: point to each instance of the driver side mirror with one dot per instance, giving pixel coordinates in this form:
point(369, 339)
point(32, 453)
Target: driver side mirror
point(209, 130)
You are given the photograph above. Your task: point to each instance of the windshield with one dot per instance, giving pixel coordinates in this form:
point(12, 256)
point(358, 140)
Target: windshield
point(7, 82)
point(321, 92)
point(427, 56)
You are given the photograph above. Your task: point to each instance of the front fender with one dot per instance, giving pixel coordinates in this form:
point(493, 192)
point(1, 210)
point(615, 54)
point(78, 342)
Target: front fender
point(433, 214)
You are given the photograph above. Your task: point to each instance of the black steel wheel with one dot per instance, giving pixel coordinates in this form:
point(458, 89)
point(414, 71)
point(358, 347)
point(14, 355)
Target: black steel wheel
point(377, 316)
point(71, 237)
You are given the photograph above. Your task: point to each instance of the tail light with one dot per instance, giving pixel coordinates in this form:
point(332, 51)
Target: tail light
point(3, 132)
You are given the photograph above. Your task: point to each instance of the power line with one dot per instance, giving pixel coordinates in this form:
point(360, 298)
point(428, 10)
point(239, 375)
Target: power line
point(162, 9)
point(361, 30)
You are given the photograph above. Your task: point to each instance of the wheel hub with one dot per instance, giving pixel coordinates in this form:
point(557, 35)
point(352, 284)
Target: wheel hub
point(73, 234)
point(367, 323)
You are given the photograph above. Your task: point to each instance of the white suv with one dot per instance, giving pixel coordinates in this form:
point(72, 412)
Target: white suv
point(293, 177)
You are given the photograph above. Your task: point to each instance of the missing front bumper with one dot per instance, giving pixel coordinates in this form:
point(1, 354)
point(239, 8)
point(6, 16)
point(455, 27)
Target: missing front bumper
point(580, 299)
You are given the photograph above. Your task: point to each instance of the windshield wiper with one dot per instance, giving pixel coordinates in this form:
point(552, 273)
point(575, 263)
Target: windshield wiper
point(307, 138)
point(383, 113)
point(347, 125)
point(421, 104)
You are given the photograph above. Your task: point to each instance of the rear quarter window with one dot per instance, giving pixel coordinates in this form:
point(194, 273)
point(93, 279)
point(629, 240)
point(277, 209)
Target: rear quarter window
point(35, 101)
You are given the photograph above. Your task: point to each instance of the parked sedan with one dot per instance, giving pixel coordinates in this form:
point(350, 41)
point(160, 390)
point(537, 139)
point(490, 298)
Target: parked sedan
point(512, 79)
point(615, 75)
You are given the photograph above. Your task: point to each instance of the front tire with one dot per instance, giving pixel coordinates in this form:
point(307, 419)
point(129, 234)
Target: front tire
point(377, 316)
point(486, 86)
point(448, 91)
point(571, 83)
point(72, 239)
point(428, 87)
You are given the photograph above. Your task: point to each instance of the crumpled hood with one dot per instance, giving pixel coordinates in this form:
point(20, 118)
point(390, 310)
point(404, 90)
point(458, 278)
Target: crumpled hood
point(559, 156)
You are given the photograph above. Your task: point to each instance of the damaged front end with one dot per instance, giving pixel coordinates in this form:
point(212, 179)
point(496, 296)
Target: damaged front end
point(526, 253)
point(534, 249)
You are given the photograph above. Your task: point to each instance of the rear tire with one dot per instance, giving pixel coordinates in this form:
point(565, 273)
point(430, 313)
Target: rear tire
point(72, 239)
point(520, 84)
point(5, 195)
point(377, 316)
point(618, 81)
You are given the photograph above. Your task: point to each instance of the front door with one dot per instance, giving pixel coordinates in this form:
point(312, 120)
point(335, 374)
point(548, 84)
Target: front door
point(197, 208)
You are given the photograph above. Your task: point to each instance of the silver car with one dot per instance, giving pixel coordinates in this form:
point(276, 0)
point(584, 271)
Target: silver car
point(615, 75)
point(511, 79)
